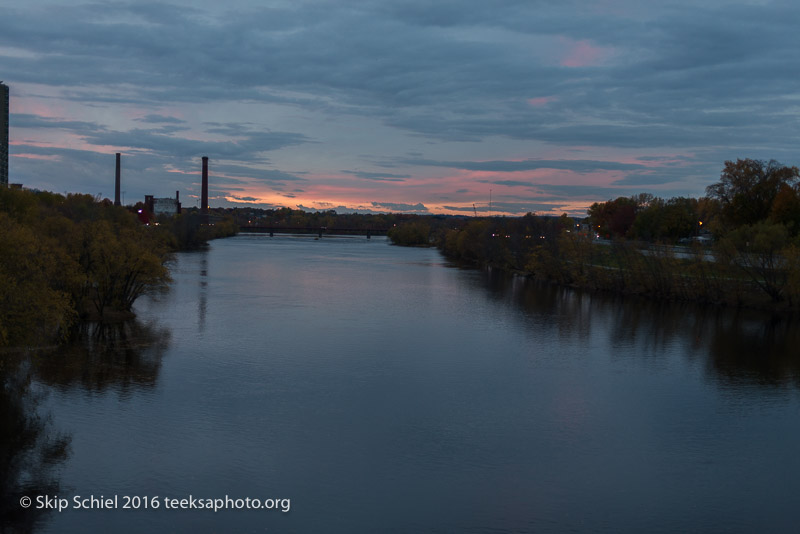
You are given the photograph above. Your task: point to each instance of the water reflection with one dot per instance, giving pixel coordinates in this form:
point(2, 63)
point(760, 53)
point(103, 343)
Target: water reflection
point(123, 357)
point(29, 449)
point(741, 346)
point(202, 299)
point(755, 350)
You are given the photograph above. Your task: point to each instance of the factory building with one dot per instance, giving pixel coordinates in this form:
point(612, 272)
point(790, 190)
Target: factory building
point(4, 112)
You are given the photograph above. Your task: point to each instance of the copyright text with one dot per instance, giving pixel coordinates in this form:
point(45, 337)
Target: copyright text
point(144, 502)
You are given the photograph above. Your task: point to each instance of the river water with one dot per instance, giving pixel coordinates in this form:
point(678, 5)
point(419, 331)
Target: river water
point(371, 388)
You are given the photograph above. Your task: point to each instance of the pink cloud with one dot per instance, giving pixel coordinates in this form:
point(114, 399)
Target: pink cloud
point(33, 106)
point(36, 156)
point(583, 54)
point(28, 142)
point(541, 101)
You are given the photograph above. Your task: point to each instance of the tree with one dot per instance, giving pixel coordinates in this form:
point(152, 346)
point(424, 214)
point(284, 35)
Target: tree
point(759, 252)
point(415, 233)
point(31, 309)
point(614, 217)
point(120, 268)
point(748, 188)
point(786, 208)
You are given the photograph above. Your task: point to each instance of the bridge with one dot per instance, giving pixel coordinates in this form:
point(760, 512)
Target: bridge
point(311, 230)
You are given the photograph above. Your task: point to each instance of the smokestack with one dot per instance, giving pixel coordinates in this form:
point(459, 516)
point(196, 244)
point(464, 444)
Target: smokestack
point(116, 185)
point(204, 194)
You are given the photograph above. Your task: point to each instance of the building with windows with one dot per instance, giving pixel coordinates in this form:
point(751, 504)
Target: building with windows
point(3, 135)
point(163, 206)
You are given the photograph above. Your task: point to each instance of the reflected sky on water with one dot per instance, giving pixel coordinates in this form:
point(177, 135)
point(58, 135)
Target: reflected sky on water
point(383, 390)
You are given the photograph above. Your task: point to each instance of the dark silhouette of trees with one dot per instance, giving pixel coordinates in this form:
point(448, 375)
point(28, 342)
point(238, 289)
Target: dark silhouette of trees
point(416, 233)
point(758, 251)
point(65, 258)
point(747, 190)
point(666, 220)
point(754, 212)
point(613, 218)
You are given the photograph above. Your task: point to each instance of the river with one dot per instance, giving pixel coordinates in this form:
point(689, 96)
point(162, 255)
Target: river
point(353, 386)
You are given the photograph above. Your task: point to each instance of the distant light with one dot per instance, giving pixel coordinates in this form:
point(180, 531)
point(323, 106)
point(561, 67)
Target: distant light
point(140, 211)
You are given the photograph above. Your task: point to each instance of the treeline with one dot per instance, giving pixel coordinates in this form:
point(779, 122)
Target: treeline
point(330, 219)
point(741, 243)
point(188, 231)
point(68, 258)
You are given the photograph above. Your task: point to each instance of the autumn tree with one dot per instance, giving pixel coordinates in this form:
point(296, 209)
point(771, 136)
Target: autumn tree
point(31, 309)
point(758, 251)
point(786, 208)
point(412, 233)
point(120, 267)
point(614, 217)
point(747, 190)
point(667, 220)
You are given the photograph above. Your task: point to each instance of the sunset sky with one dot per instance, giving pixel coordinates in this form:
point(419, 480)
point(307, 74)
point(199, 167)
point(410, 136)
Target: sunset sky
point(418, 106)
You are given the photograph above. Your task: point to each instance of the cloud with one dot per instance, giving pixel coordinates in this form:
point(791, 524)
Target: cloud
point(160, 119)
point(583, 54)
point(400, 207)
point(27, 120)
point(503, 87)
point(580, 166)
point(378, 176)
point(327, 206)
point(256, 174)
point(251, 144)
point(507, 208)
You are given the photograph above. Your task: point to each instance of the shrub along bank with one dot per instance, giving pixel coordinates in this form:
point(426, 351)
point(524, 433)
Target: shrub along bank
point(652, 246)
point(69, 258)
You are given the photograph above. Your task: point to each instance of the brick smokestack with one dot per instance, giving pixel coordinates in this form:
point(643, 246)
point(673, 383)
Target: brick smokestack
point(204, 194)
point(117, 182)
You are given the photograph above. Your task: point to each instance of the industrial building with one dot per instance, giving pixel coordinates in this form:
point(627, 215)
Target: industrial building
point(163, 206)
point(4, 112)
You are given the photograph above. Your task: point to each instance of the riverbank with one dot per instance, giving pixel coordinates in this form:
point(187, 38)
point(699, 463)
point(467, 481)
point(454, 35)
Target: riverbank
point(549, 249)
point(361, 379)
point(73, 258)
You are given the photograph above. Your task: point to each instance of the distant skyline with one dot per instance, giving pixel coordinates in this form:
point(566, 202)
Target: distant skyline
point(408, 106)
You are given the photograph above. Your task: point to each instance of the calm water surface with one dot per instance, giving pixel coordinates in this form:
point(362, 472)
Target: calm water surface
point(382, 390)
